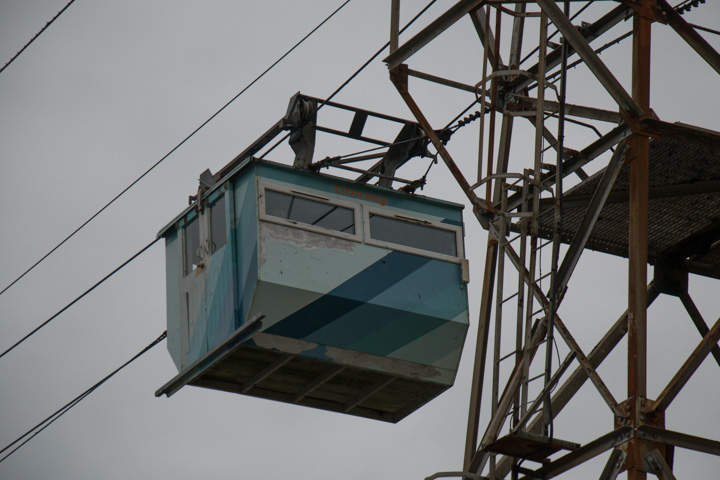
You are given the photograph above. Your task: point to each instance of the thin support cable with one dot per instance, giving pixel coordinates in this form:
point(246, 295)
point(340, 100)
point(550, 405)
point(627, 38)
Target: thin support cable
point(80, 297)
point(598, 51)
point(33, 432)
point(174, 148)
point(369, 150)
point(352, 77)
point(705, 29)
point(557, 31)
point(36, 36)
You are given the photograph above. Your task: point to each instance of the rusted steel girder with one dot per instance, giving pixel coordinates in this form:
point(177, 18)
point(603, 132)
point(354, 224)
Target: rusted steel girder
point(687, 370)
point(565, 392)
point(592, 214)
point(688, 33)
point(481, 346)
point(496, 422)
point(614, 465)
point(699, 321)
point(638, 246)
point(480, 457)
point(584, 156)
point(589, 33)
point(630, 109)
point(426, 35)
point(583, 454)
point(677, 439)
point(399, 77)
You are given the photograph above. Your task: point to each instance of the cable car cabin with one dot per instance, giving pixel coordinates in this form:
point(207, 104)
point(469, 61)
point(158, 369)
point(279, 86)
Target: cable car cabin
point(314, 290)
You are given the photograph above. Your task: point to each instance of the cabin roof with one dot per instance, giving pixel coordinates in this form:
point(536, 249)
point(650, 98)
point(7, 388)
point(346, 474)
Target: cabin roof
point(251, 161)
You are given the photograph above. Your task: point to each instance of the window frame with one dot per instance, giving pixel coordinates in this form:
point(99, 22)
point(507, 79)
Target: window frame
point(456, 229)
point(328, 200)
point(187, 268)
point(210, 206)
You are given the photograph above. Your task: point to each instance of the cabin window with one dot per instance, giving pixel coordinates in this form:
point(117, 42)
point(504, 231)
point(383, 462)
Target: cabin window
point(218, 228)
point(310, 212)
point(413, 234)
point(191, 239)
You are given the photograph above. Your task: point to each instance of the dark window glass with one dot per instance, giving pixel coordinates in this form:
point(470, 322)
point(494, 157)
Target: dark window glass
point(192, 245)
point(413, 235)
point(311, 212)
point(218, 231)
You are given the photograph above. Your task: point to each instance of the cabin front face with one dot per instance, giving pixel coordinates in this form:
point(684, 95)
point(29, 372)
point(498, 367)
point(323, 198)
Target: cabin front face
point(353, 275)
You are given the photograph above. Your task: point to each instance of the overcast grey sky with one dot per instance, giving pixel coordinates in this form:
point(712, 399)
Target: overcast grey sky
point(107, 91)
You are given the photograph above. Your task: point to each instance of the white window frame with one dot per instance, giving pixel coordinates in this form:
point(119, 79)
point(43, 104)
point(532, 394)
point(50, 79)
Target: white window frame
point(187, 270)
point(419, 221)
point(209, 207)
point(355, 207)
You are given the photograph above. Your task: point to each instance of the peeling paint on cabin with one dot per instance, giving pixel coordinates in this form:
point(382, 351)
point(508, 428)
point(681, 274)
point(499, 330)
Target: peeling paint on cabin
point(283, 344)
point(346, 357)
point(383, 364)
point(301, 239)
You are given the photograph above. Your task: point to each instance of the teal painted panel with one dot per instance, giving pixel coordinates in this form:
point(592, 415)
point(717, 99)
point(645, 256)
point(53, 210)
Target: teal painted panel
point(246, 226)
point(219, 291)
point(440, 347)
point(308, 261)
point(173, 252)
point(400, 313)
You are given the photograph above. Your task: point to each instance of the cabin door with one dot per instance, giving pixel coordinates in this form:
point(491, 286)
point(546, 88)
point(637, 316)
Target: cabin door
point(192, 286)
point(203, 238)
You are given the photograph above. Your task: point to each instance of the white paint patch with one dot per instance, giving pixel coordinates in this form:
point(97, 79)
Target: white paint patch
point(303, 238)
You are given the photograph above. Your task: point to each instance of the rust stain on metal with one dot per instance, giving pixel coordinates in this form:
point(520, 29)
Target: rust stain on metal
point(362, 360)
point(287, 345)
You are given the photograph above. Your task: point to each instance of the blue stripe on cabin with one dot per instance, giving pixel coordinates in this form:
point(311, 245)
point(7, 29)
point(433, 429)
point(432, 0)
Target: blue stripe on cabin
point(406, 327)
point(407, 309)
point(358, 330)
point(353, 293)
point(198, 336)
point(416, 292)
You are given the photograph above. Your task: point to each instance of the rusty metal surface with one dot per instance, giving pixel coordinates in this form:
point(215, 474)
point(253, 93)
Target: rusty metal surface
point(663, 209)
point(530, 446)
point(684, 224)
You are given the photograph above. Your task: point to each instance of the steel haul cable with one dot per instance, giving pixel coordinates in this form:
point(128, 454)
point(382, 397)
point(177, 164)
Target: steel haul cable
point(33, 432)
point(36, 36)
point(80, 297)
point(346, 82)
point(174, 148)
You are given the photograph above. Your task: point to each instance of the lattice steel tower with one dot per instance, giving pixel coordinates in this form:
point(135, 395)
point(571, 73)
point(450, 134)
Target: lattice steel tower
point(644, 189)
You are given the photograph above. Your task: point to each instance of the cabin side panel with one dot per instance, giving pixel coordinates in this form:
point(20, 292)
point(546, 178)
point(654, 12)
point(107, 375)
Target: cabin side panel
point(340, 292)
point(230, 276)
point(220, 283)
point(245, 230)
point(176, 335)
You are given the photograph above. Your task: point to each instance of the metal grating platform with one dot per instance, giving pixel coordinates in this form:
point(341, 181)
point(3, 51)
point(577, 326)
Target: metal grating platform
point(684, 208)
point(530, 446)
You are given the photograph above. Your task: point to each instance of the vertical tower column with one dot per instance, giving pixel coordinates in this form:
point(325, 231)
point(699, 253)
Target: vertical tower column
point(638, 245)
